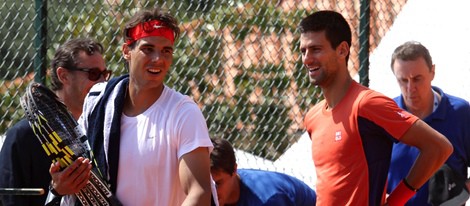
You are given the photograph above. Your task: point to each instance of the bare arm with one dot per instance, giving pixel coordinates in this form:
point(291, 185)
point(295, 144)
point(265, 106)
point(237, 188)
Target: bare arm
point(194, 172)
point(434, 150)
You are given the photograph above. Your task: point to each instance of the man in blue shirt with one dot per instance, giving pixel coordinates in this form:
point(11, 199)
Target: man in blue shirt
point(413, 68)
point(254, 187)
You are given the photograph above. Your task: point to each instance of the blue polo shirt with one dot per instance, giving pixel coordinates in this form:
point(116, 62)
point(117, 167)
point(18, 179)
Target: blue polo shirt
point(452, 119)
point(265, 188)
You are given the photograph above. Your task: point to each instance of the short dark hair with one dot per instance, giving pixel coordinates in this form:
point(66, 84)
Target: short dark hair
point(333, 23)
point(222, 156)
point(148, 15)
point(67, 55)
point(412, 50)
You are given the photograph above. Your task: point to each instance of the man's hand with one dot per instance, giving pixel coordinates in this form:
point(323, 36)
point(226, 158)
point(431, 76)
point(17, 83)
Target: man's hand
point(71, 179)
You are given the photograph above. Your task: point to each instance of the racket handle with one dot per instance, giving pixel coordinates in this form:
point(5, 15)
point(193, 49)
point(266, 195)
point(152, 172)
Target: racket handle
point(21, 191)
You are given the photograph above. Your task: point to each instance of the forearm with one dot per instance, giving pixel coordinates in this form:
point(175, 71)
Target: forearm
point(198, 197)
point(434, 149)
point(427, 163)
point(424, 167)
point(194, 172)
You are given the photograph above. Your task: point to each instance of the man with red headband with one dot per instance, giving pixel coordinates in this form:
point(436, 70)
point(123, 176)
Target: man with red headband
point(150, 142)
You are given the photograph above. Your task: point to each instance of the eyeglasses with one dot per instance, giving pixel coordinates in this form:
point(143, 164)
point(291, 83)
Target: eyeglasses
point(94, 74)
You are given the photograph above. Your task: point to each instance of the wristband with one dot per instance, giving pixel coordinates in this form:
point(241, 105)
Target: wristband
point(53, 191)
point(401, 194)
point(409, 186)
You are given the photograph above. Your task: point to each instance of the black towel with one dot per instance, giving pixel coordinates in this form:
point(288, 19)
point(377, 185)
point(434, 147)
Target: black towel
point(96, 128)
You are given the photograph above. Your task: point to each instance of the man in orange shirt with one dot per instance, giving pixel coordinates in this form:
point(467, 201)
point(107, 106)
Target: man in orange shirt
point(353, 128)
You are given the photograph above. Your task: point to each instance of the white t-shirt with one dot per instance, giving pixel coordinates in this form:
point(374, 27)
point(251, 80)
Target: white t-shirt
point(150, 148)
point(149, 156)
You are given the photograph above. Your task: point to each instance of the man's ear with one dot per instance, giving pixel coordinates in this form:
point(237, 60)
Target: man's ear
point(126, 51)
point(63, 75)
point(433, 71)
point(343, 49)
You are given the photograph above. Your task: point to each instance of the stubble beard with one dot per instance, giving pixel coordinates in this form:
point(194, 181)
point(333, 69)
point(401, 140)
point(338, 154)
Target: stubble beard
point(317, 80)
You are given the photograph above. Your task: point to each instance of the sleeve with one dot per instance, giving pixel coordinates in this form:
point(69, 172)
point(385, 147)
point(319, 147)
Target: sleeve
point(384, 112)
point(280, 199)
point(191, 128)
point(309, 197)
point(465, 111)
point(11, 175)
point(23, 164)
point(52, 200)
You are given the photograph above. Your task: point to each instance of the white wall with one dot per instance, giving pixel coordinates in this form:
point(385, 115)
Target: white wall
point(296, 161)
point(444, 28)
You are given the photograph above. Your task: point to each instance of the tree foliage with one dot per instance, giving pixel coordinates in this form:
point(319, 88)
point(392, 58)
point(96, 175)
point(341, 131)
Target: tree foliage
point(261, 127)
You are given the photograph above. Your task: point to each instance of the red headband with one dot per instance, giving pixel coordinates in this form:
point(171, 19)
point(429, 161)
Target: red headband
point(150, 28)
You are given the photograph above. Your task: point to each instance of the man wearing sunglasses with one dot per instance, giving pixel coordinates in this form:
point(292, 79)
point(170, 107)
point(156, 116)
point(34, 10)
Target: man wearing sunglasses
point(77, 65)
point(94, 74)
point(150, 141)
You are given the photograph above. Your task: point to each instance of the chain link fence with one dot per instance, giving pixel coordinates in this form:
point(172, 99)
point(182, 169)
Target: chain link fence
point(239, 60)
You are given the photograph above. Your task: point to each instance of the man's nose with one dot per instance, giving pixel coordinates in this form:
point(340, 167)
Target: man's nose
point(410, 86)
point(307, 58)
point(156, 56)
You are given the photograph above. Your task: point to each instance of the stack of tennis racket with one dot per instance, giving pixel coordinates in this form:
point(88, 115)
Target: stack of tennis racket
point(63, 140)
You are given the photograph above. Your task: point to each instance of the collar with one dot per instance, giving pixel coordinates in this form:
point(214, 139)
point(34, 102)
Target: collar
point(439, 112)
point(436, 100)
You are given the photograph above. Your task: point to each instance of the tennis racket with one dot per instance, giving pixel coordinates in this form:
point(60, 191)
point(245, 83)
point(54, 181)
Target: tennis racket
point(63, 140)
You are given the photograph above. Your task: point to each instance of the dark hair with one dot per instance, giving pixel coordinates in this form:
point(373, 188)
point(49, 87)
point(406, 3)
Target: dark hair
point(148, 15)
point(412, 50)
point(67, 55)
point(333, 23)
point(222, 156)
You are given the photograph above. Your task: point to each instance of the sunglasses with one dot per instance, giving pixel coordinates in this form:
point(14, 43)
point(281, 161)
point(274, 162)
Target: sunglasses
point(94, 74)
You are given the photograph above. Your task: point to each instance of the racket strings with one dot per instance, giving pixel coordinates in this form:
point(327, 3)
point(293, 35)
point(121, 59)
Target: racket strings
point(63, 140)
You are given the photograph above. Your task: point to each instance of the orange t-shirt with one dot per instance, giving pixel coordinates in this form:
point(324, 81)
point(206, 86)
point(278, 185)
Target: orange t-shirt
point(351, 146)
